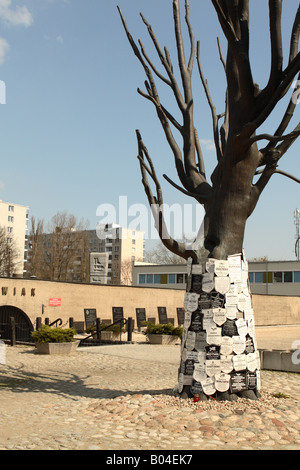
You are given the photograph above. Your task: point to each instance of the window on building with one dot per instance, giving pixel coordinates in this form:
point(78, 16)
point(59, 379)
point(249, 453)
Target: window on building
point(277, 277)
point(180, 278)
point(11, 208)
point(172, 278)
point(268, 278)
point(156, 278)
point(10, 218)
point(297, 276)
point(164, 279)
point(251, 278)
point(258, 278)
point(9, 229)
point(288, 276)
point(142, 278)
point(149, 278)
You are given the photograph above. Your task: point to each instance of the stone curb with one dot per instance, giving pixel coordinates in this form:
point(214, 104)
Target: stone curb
point(284, 361)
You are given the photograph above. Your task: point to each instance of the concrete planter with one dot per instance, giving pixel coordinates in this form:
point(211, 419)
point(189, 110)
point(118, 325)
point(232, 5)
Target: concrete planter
point(57, 348)
point(163, 339)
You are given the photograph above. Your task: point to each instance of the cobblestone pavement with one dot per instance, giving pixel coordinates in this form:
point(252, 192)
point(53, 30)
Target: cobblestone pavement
point(121, 398)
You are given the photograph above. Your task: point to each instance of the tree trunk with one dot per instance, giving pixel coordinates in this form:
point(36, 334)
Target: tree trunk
point(219, 353)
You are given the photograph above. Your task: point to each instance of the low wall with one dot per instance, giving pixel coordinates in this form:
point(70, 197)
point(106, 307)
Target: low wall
point(34, 297)
point(276, 310)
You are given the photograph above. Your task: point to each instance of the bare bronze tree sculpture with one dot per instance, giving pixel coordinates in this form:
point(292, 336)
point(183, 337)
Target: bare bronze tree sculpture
point(232, 195)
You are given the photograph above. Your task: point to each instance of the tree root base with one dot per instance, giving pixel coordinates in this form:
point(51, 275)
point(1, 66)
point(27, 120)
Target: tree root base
point(253, 395)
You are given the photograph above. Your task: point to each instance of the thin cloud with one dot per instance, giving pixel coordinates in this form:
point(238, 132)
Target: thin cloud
point(20, 15)
point(4, 47)
point(208, 144)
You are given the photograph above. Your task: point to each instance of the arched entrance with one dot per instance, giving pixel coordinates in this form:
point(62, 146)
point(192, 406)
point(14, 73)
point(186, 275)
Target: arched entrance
point(24, 326)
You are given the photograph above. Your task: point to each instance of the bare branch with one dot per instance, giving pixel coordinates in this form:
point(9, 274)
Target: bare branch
point(274, 138)
point(211, 105)
point(187, 193)
point(156, 204)
point(191, 34)
point(295, 36)
point(283, 173)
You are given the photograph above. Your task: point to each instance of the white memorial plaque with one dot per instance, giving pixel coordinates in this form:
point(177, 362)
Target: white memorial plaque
point(200, 341)
point(201, 357)
point(210, 265)
point(222, 382)
point(187, 320)
point(208, 319)
point(213, 367)
point(245, 271)
point(186, 301)
point(221, 268)
point(208, 282)
point(231, 312)
point(226, 346)
point(180, 383)
point(208, 386)
point(2, 353)
point(239, 344)
point(219, 316)
point(240, 362)
point(213, 335)
point(187, 379)
point(251, 362)
point(231, 299)
point(200, 372)
point(197, 269)
point(235, 268)
point(258, 376)
point(190, 340)
point(248, 314)
point(242, 327)
point(251, 328)
point(192, 302)
point(242, 302)
point(189, 266)
point(189, 355)
point(222, 284)
point(226, 364)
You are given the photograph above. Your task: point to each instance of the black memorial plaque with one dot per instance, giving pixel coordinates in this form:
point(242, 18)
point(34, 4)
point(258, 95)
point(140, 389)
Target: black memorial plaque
point(197, 283)
point(180, 316)
point(217, 300)
point(238, 382)
point(90, 316)
point(162, 315)
point(140, 316)
point(213, 352)
point(117, 314)
point(251, 380)
point(189, 367)
point(197, 321)
point(250, 348)
point(204, 301)
point(229, 329)
point(196, 388)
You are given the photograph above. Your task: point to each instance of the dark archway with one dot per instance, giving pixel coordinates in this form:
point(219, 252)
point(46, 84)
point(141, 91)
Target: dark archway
point(24, 326)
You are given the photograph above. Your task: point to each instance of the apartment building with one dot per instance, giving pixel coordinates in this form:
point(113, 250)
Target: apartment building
point(14, 218)
point(124, 246)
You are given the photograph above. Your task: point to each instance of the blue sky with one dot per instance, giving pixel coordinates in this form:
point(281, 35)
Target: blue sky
point(68, 126)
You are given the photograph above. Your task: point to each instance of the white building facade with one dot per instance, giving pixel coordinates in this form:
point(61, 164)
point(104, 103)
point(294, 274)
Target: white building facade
point(14, 218)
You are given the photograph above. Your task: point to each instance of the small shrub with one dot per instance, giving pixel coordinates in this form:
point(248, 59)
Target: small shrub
point(160, 329)
point(53, 335)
